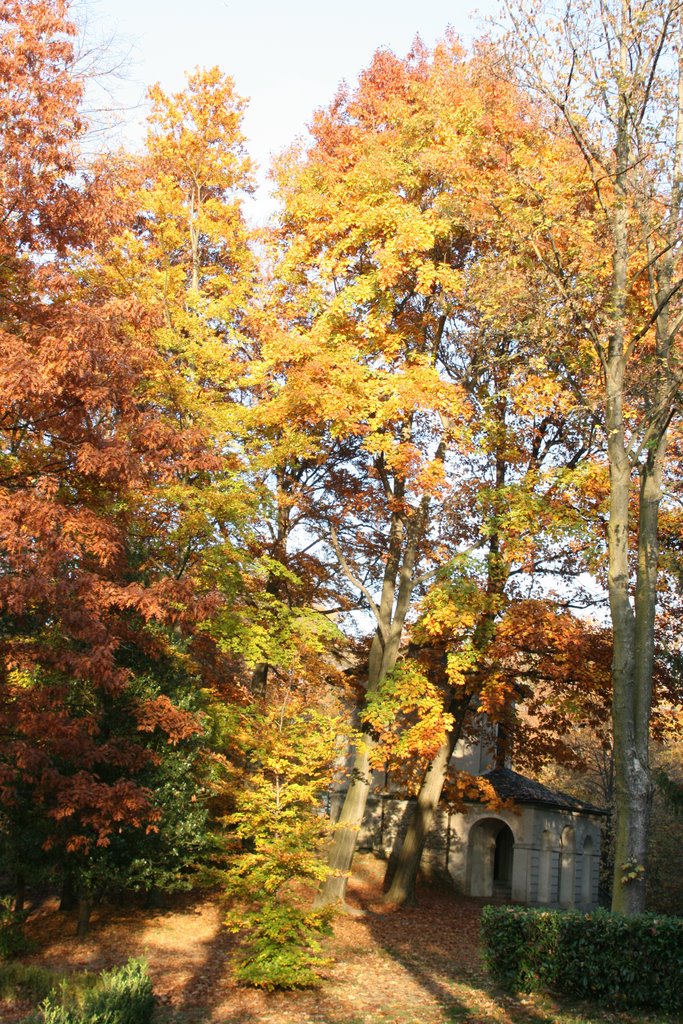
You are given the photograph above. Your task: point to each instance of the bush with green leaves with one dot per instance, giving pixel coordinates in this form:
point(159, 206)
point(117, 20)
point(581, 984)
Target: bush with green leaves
point(121, 996)
point(283, 949)
point(12, 938)
point(622, 961)
point(283, 754)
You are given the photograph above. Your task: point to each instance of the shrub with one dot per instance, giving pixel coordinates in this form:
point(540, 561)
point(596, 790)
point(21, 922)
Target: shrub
point(121, 996)
point(283, 950)
point(12, 938)
point(624, 961)
point(288, 750)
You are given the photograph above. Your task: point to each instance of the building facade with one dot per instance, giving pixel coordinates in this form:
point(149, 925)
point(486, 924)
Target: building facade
point(541, 848)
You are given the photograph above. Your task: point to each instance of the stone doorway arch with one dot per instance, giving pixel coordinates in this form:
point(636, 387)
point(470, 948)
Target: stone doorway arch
point(490, 857)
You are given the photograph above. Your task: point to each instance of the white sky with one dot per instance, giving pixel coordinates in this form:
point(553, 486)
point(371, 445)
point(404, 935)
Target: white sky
point(287, 58)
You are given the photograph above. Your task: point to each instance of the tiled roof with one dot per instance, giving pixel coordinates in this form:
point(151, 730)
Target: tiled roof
point(509, 785)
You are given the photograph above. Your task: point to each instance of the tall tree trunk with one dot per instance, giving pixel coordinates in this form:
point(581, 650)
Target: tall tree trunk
point(627, 768)
point(382, 660)
point(391, 615)
point(343, 845)
point(402, 888)
point(630, 178)
point(634, 627)
point(634, 784)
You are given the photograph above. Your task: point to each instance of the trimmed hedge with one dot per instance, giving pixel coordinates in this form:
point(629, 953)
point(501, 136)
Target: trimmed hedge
point(622, 961)
point(121, 996)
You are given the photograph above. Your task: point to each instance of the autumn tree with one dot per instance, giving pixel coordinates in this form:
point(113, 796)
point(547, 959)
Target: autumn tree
point(530, 498)
point(380, 244)
point(611, 74)
point(37, 64)
point(95, 500)
point(363, 324)
point(178, 240)
point(518, 494)
point(282, 755)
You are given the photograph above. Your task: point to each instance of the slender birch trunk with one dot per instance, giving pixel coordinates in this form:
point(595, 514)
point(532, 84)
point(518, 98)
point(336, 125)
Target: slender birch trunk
point(634, 622)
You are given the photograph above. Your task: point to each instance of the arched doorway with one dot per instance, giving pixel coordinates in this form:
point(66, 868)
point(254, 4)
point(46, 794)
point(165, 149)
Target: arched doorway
point(502, 863)
point(490, 857)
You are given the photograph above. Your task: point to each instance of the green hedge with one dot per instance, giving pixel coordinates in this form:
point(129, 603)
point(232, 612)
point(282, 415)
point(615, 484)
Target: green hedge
point(623, 961)
point(121, 996)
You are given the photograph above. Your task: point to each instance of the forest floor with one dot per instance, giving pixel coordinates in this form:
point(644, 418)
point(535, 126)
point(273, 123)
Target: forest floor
point(417, 966)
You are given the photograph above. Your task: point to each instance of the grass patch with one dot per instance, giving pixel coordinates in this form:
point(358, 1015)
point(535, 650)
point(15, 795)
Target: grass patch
point(19, 982)
point(121, 996)
point(542, 1009)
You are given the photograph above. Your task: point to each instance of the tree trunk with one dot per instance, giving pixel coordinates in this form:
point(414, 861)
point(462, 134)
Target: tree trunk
point(404, 873)
point(84, 911)
point(633, 779)
point(633, 786)
point(391, 616)
point(402, 888)
point(626, 767)
point(68, 899)
point(285, 481)
point(195, 208)
point(343, 845)
point(19, 893)
point(645, 226)
point(625, 760)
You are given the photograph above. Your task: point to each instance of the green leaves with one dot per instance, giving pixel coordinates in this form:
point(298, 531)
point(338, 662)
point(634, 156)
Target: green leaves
point(283, 754)
point(619, 961)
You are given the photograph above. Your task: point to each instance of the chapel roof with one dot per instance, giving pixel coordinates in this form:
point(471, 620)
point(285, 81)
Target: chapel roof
point(509, 785)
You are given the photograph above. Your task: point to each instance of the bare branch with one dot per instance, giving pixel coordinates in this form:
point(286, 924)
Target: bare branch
point(351, 576)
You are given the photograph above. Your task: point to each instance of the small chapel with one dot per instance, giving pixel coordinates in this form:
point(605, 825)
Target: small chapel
point(542, 848)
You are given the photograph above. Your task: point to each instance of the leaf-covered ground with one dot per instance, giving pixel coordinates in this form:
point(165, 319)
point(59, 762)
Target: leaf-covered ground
point(417, 966)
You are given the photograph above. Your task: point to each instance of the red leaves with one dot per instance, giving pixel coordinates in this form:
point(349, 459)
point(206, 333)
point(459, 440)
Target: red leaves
point(100, 808)
point(82, 779)
point(39, 122)
point(162, 714)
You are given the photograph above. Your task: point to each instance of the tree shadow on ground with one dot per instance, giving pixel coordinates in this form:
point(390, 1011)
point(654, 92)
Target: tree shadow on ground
point(189, 953)
point(185, 945)
point(436, 943)
point(416, 966)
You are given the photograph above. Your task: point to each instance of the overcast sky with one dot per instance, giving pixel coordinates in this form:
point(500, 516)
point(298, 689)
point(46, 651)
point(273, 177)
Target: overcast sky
point(286, 58)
